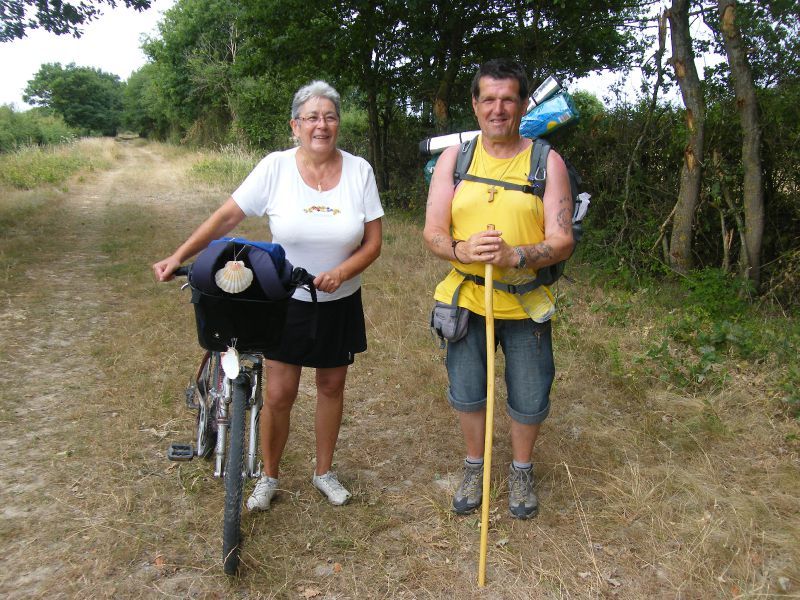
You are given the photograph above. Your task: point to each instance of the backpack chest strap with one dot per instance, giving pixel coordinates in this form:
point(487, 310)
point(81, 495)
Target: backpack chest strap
point(526, 189)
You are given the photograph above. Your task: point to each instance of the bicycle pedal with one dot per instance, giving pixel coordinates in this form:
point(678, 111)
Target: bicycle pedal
point(180, 452)
point(190, 393)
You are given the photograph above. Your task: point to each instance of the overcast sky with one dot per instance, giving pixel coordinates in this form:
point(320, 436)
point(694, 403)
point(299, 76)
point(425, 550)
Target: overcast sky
point(110, 43)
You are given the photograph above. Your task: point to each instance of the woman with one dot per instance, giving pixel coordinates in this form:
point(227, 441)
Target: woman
point(322, 206)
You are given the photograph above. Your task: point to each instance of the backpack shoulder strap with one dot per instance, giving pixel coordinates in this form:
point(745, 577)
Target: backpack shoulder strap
point(466, 151)
point(538, 172)
point(274, 283)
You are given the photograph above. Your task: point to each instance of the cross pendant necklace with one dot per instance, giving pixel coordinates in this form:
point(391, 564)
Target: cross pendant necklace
point(492, 191)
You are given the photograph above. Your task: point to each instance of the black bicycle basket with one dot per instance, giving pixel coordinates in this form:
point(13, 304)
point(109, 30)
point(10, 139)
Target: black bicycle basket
point(252, 319)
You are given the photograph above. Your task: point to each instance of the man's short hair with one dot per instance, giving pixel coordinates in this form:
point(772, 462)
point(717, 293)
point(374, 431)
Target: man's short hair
point(501, 68)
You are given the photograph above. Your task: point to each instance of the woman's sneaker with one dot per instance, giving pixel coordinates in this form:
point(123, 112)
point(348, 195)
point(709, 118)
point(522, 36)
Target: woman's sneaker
point(264, 492)
point(522, 501)
point(470, 493)
point(329, 485)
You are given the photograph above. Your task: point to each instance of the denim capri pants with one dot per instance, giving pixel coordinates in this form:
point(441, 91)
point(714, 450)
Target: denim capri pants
point(528, 350)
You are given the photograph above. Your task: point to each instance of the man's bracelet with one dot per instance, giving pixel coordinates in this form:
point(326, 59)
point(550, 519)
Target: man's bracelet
point(454, 244)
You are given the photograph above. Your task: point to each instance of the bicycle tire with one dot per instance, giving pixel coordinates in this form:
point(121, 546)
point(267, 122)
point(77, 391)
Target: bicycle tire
point(234, 477)
point(211, 379)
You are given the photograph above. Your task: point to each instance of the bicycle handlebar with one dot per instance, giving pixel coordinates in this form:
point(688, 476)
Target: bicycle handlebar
point(181, 271)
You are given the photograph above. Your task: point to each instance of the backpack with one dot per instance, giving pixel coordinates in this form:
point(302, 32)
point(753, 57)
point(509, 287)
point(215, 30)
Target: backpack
point(253, 319)
point(537, 180)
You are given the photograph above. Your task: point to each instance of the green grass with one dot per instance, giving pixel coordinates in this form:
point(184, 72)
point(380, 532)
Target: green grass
point(227, 168)
point(32, 167)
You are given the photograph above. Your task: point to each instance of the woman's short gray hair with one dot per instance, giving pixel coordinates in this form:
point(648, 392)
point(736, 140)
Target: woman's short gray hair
point(315, 89)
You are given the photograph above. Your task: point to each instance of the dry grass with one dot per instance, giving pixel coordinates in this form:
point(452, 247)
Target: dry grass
point(647, 491)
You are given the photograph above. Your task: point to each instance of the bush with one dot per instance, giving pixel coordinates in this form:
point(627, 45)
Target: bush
point(34, 127)
point(722, 295)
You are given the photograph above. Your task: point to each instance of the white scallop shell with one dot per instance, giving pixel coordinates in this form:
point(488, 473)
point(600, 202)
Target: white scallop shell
point(234, 277)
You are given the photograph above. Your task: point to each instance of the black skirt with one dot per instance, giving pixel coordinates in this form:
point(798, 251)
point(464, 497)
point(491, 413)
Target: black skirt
point(322, 335)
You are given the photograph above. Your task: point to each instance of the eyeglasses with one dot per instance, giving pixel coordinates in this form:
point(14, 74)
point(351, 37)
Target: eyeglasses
point(315, 119)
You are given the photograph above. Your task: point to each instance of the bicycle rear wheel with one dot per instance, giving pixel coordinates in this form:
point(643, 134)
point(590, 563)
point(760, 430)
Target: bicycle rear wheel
point(234, 477)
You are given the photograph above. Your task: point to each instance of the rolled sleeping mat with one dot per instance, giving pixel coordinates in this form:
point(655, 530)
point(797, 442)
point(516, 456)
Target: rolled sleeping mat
point(435, 145)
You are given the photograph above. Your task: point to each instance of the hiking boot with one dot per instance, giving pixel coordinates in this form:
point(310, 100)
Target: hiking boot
point(522, 501)
point(470, 493)
point(329, 485)
point(264, 492)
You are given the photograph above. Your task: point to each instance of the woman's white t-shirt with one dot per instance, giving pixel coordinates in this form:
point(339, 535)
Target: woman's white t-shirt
point(318, 230)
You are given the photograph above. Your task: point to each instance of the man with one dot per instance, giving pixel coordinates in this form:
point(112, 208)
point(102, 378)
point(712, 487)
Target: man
point(529, 233)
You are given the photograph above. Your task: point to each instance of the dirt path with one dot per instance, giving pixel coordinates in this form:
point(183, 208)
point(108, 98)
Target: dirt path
point(54, 319)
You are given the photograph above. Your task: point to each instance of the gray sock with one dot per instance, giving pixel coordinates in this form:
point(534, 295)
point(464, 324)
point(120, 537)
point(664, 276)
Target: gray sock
point(522, 466)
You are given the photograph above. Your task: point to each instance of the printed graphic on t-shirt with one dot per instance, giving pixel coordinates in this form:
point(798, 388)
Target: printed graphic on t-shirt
point(318, 209)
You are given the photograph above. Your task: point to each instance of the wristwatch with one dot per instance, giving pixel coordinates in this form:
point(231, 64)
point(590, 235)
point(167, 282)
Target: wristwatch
point(522, 260)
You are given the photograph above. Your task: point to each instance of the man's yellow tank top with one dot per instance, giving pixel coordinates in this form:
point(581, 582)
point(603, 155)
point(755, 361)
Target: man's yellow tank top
point(520, 218)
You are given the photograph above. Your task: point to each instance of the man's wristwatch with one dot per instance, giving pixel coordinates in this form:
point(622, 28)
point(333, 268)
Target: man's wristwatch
point(522, 260)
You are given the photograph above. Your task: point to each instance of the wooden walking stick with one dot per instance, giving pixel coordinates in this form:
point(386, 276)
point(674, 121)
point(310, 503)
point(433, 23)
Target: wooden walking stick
point(489, 426)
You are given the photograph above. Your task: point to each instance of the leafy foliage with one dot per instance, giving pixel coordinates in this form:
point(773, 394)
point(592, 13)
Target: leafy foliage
point(87, 99)
point(772, 28)
point(32, 127)
point(60, 18)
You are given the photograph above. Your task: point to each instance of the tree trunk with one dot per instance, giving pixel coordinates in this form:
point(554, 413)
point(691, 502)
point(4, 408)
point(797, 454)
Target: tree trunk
point(692, 170)
point(375, 147)
point(451, 60)
point(751, 136)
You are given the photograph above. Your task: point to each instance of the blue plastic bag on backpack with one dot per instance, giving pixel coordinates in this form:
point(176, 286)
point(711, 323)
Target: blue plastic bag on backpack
point(553, 113)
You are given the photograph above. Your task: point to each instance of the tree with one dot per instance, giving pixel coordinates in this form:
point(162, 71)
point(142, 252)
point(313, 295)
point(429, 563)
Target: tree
point(680, 251)
point(88, 99)
point(194, 60)
point(355, 44)
point(414, 56)
point(449, 39)
point(751, 138)
point(143, 112)
point(55, 16)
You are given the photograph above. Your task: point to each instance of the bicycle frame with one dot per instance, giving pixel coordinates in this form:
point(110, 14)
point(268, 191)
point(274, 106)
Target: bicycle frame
point(250, 376)
point(213, 405)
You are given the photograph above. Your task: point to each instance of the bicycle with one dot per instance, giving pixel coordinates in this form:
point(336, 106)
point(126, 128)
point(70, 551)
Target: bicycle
point(228, 384)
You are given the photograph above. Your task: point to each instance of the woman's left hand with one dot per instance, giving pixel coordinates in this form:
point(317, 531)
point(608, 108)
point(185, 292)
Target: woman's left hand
point(329, 281)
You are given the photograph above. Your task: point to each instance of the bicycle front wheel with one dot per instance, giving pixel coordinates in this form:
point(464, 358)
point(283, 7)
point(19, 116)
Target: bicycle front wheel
point(208, 391)
point(234, 478)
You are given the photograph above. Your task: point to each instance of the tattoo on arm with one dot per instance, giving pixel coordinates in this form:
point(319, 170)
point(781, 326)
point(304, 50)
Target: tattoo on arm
point(538, 252)
point(564, 217)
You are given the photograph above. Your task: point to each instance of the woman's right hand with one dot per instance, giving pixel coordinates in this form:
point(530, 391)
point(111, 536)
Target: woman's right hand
point(164, 269)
